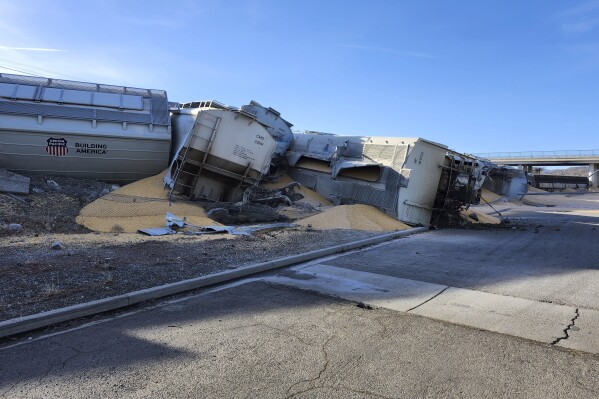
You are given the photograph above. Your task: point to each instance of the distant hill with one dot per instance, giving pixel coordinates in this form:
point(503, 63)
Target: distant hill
point(572, 171)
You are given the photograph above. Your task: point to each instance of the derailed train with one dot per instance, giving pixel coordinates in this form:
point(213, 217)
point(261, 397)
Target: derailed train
point(218, 152)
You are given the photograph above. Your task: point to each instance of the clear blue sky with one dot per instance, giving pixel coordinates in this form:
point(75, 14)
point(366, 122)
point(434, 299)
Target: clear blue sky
point(479, 76)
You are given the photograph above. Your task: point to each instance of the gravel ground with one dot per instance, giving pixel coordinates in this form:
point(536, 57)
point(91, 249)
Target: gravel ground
point(34, 278)
point(51, 206)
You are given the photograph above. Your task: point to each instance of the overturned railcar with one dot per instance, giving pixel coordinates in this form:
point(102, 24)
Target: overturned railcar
point(88, 130)
point(219, 151)
point(400, 176)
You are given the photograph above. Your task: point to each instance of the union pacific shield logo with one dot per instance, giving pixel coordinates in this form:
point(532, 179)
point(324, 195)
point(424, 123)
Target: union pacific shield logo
point(57, 147)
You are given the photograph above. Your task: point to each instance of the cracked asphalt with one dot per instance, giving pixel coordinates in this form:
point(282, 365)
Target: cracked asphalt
point(260, 339)
point(270, 341)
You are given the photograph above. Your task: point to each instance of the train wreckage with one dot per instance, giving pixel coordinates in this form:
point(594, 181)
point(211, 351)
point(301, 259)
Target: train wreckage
point(221, 153)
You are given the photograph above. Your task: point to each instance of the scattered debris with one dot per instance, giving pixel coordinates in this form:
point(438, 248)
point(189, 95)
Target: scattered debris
point(13, 183)
point(44, 210)
point(363, 305)
point(158, 231)
point(217, 213)
point(174, 220)
point(477, 217)
point(53, 185)
point(240, 214)
point(175, 224)
point(15, 227)
point(248, 230)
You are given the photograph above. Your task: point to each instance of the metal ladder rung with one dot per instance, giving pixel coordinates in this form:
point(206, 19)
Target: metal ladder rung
point(183, 158)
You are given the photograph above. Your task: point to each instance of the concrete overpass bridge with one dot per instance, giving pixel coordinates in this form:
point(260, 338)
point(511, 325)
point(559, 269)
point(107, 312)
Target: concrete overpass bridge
point(528, 159)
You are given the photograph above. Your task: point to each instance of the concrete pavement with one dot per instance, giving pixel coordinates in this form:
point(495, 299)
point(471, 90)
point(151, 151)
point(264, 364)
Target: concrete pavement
point(538, 321)
point(537, 280)
point(260, 340)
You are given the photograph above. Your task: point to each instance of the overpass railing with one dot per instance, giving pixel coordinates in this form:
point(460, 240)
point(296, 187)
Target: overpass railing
point(540, 154)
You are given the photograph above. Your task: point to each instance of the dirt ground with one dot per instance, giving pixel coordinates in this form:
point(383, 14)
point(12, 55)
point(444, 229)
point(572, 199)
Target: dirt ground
point(49, 207)
point(36, 278)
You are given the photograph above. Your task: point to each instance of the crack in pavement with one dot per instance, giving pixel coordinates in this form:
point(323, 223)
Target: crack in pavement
point(429, 299)
point(311, 381)
point(568, 327)
point(360, 392)
point(267, 326)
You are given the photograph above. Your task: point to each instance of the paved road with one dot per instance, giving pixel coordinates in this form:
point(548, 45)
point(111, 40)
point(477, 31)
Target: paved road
point(260, 339)
point(536, 280)
point(557, 262)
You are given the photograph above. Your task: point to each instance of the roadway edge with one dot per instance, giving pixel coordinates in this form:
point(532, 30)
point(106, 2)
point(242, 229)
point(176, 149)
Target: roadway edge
point(33, 322)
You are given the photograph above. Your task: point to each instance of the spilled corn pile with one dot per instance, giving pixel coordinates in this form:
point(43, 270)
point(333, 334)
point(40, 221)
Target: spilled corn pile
point(139, 205)
point(143, 204)
point(489, 196)
point(476, 217)
point(356, 217)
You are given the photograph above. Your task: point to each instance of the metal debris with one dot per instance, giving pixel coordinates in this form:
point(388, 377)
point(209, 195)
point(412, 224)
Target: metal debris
point(13, 183)
point(177, 225)
point(158, 231)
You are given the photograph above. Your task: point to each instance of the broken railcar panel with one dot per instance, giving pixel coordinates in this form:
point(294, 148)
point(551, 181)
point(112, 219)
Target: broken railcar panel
point(220, 152)
point(461, 180)
point(279, 128)
point(397, 175)
point(507, 181)
point(86, 130)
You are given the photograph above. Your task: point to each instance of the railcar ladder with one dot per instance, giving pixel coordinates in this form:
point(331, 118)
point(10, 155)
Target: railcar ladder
point(182, 159)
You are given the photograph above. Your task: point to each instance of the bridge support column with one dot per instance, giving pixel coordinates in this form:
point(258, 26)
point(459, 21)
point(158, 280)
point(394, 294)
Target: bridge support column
point(526, 168)
point(594, 174)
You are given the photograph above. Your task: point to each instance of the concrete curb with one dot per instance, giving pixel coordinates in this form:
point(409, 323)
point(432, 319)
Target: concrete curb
point(33, 322)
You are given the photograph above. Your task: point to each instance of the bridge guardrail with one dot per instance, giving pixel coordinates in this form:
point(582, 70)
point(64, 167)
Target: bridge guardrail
point(540, 154)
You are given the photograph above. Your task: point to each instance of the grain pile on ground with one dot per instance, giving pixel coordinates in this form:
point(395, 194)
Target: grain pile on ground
point(476, 217)
point(568, 190)
point(356, 217)
point(310, 197)
point(138, 205)
point(535, 190)
point(489, 196)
